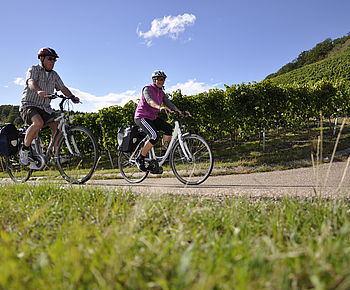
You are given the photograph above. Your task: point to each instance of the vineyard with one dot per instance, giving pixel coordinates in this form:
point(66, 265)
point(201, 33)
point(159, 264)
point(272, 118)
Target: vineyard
point(335, 67)
point(237, 112)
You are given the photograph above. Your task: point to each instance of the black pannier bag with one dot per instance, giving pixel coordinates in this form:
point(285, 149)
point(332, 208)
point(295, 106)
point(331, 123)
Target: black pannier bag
point(8, 140)
point(129, 137)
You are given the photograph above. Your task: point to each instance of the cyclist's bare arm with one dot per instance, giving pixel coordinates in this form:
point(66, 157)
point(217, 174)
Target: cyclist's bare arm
point(68, 93)
point(33, 85)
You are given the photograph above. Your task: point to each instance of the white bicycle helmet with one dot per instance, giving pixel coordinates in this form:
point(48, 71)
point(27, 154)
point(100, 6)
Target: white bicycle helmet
point(158, 73)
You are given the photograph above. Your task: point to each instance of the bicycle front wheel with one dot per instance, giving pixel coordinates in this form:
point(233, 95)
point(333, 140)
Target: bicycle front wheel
point(195, 166)
point(128, 168)
point(77, 155)
point(16, 170)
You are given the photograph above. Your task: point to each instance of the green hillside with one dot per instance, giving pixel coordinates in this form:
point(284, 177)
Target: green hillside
point(332, 68)
point(321, 51)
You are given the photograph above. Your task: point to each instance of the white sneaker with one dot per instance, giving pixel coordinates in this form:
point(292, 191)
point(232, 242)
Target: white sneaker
point(24, 156)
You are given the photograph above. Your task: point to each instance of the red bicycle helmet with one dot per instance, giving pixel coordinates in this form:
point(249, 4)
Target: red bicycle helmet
point(47, 51)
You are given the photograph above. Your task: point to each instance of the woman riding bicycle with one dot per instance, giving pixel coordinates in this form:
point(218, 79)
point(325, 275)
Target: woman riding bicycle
point(146, 117)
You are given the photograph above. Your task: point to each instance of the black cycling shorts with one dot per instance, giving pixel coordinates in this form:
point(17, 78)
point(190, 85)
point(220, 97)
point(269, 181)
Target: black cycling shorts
point(151, 128)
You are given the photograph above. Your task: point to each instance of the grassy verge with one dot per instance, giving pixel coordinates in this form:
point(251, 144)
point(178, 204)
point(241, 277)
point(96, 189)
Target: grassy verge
point(284, 150)
point(81, 238)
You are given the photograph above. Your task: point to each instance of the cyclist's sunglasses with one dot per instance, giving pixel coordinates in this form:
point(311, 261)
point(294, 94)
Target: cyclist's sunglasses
point(51, 58)
point(161, 79)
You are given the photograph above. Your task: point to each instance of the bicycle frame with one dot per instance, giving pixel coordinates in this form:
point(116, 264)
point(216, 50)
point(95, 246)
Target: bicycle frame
point(177, 135)
point(76, 153)
point(38, 148)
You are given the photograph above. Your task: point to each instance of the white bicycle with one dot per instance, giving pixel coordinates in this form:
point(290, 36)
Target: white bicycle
point(76, 154)
point(190, 158)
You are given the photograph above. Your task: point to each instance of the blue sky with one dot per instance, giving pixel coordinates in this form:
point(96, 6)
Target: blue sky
point(108, 49)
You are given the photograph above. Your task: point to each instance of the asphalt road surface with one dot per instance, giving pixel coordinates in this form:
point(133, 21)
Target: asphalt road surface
point(326, 180)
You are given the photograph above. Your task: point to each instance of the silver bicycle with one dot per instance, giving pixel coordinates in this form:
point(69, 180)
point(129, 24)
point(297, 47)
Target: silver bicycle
point(76, 155)
point(190, 158)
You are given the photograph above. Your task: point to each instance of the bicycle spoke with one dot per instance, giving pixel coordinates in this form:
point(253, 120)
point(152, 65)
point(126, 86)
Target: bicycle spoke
point(77, 155)
point(16, 170)
point(196, 170)
point(128, 168)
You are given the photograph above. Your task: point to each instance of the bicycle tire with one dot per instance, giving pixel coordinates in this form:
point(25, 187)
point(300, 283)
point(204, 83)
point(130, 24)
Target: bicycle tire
point(77, 167)
point(197, 170)
point(128, 168)
point(18, 172)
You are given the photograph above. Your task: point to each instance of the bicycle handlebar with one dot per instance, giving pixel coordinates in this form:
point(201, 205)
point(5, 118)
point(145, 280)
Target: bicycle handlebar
point(64, 98)
point(55, 96)
point(183, 114)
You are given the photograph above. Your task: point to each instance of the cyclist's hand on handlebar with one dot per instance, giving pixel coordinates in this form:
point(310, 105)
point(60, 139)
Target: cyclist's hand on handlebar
point(184, 114)
point(75, 99)
point(42, 94)
point(166, 110)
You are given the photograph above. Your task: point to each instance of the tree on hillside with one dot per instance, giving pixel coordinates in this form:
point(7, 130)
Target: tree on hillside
point(321, 51)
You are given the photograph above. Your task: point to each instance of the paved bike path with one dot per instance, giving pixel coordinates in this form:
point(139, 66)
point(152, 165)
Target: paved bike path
point(304, 182)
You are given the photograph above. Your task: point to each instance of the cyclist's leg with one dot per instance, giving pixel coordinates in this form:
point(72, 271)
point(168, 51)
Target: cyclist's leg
point(167, 129)
point(33, 130)
point(33, 118)
point(150, 128)
point(146, 148)
point(36, 118)
point(53, 125)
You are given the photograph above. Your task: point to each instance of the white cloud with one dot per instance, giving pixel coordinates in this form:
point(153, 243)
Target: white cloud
point(170, 26)
point(192, 87)
point(20, 82)
point(92, 103)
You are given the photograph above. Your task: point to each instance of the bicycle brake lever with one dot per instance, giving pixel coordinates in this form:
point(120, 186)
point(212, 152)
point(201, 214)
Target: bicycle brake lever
point(187, 114)
point(52, 97)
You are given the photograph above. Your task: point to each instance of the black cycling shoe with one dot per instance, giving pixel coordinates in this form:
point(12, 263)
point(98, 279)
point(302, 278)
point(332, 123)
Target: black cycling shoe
point(140, 162)
point(154, 167)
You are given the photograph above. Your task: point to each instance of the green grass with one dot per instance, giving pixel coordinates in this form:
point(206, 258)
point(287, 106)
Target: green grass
point(283, 150)
point(63, 237)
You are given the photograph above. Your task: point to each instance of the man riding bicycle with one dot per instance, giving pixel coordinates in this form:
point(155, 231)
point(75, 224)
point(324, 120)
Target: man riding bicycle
point(146, 117)
point(35, 108)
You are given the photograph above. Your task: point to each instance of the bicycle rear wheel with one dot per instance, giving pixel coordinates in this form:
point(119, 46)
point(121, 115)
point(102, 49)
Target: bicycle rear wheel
point(77, 155)
point(16, 170)
point(128, 168)
point(198, 168)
